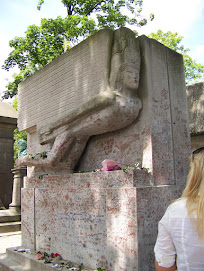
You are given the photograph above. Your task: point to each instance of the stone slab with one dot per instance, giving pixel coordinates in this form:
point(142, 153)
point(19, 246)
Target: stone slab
point(64, 80)
point(106, 179)
point(28, 218)
point(151, 206)
point(17, 261)
point(179, 116)
point(88, 226)
point(10, 226)
point(195, 94)
point(9, 215)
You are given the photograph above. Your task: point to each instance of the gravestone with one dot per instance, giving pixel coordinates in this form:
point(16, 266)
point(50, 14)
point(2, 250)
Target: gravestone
point(195, 95)
point(113, 96)
point(8, 122)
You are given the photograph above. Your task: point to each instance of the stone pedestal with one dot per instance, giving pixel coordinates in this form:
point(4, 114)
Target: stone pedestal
point(99, 219)
point(19, 174)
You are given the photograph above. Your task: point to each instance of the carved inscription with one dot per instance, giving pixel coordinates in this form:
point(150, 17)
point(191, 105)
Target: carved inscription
point(88, 226)
point(57, 87)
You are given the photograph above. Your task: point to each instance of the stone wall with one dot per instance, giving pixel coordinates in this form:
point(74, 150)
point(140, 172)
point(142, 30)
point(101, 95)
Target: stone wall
point(195, 94)
point(8, 121)
point(66, 83)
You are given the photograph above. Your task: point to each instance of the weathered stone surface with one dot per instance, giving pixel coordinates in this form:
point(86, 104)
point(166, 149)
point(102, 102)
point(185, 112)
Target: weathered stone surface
point(151, 205)
point(17, 261)
point(89, 226)
point(28, 217)
point(156, 140)
point(105, 179)
point(8, 121)
point(6, 110)
point(81, 72)
point(195, 94)
point(100, 219)
point(66, 136)
point(159, 140)
point(110, 218)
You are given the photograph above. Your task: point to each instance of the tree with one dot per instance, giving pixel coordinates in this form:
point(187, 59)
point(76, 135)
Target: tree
point(16, 134)
point(194, 71)
point(43, 43)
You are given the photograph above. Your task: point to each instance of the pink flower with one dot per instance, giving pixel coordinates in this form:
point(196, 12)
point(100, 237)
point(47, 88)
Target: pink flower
point(38, 256)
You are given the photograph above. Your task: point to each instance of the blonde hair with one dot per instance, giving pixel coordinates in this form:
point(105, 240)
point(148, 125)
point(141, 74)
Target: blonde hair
point(194, 190)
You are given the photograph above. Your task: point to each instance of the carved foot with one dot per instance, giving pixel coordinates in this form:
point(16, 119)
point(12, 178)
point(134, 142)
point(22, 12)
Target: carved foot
point(22, 161)
point(31, 160)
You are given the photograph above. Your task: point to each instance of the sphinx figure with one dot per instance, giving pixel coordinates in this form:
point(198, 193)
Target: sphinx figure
point(110, 110)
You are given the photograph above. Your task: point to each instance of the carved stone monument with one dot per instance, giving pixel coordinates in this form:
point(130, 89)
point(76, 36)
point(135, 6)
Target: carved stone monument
point(113, 96)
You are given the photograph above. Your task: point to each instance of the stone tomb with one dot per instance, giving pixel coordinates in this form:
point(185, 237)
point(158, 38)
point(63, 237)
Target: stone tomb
point(104, 219)
point(8, 121)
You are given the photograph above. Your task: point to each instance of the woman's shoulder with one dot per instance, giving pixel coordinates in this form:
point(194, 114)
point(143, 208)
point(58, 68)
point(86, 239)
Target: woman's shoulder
point(177, 208)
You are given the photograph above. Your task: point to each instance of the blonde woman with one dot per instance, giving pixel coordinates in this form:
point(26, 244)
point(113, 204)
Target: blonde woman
point(180, 241)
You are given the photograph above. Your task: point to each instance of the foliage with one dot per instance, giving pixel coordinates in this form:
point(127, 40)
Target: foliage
point(43, 43)
point(194, 71)
point(108, 13)
point(17, 135)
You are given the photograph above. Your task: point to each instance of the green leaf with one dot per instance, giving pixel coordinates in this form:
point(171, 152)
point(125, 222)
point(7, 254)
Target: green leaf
point(41, 44)
point(194, 72)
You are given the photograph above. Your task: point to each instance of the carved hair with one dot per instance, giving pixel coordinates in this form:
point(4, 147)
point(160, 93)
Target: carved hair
point(125, 52)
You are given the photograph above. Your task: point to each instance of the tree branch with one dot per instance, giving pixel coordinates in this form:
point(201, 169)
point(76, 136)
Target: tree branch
point(100, 2)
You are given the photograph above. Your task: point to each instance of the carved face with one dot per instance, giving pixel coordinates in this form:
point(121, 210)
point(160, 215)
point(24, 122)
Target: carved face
point(130, 78)
point(22, 145)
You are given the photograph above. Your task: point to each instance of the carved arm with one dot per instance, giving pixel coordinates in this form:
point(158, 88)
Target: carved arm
point(99, 102)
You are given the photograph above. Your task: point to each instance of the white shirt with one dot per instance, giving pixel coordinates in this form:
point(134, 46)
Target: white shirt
point(177, 236)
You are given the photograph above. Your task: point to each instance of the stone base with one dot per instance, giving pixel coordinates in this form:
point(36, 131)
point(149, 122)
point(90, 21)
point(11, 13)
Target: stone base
point(102, 219)
point(18, 261)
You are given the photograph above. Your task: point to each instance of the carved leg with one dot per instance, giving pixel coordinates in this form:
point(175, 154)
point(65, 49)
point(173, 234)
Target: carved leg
point(76, 151)
point(61, 146)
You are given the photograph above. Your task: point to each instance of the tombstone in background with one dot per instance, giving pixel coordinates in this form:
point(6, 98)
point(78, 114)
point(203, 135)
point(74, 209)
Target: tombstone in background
point(195, 94)
point(19, 173)
point(8, 122)
point(104, 219)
